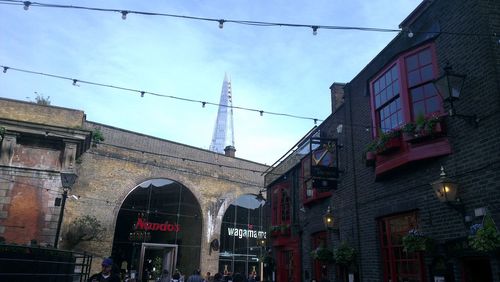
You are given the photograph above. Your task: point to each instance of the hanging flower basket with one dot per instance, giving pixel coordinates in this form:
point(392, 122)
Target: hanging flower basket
point(344, 254)
point(322, 254)
point(415, 241)
point(484, 237)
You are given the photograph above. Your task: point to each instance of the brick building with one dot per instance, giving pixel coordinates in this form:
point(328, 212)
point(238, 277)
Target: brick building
point(155, 198)
point(396, 109)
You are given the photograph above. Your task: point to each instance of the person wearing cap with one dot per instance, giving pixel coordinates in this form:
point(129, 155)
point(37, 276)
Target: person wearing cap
point(106, 274)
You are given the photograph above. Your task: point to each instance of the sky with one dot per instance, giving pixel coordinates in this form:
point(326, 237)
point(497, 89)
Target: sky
point(275, 69)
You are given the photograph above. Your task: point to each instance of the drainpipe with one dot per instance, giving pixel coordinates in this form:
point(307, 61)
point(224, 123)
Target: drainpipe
point(354, 181)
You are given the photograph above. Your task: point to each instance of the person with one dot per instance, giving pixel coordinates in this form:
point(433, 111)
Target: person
point(209, 277)
point(106, 275)
point(238, 277)
point(196, 277)
point(176, 276)
point(218, 277)
point(251, 276)
point(165, 277)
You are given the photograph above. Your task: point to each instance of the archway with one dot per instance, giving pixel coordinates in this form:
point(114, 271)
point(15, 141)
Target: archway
point(158, 212)
point(241, 229)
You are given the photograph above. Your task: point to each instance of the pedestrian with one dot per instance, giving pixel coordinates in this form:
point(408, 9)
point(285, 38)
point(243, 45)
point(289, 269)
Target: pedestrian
point(238, 277)
point(218, 277)
point(209, 277)
point(165, 276)
point(106, 275)
point(196, 277)
point(176, 276)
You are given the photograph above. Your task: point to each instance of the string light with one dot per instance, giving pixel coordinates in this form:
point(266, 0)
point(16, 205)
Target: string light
point(26, 5)
point(142, 94)
point(410, 33)
point(203, 104)
point(315, 30)
point(315, 121)
point(221, 24)
point(5, 69)
point(158, 94)
point(124, 15)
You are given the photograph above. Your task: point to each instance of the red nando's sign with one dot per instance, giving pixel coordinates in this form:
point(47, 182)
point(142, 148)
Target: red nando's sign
point(154, 226)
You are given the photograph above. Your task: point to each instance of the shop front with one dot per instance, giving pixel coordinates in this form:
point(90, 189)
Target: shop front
point(243, 238)
point(158, 228)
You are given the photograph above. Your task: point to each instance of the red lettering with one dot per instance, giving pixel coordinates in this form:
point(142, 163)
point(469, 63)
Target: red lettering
point(145, 225)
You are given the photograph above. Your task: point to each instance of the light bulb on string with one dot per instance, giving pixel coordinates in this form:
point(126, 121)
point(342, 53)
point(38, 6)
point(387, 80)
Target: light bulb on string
point(26, 5)
point(203, 104)
point(142, 94)
point(5, 69)
point(315, 121)
point(124, 15)
point(315, 30)
point(75, 81)
point(221, 24)
point(261, 113)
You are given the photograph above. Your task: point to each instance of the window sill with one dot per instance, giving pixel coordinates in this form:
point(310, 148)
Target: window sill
point(409, 153)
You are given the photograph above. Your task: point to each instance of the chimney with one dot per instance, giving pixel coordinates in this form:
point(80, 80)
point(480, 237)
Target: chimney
point(230, 151)
point(337, 92)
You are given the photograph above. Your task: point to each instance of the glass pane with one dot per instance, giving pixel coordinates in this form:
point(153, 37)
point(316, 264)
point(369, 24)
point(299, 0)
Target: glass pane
point(425, 57)
point(382, 82)
point(394, 73)
point(430, 90)
point(427, 73)
point(418, 109)
point(394, 121)
point(377, 101)
point(395, 88)
point(433, 105)
point(411, 63)
point(400, 117)
point(388, 78)
point(417, 94)
point(413, 78)
point(376, 87)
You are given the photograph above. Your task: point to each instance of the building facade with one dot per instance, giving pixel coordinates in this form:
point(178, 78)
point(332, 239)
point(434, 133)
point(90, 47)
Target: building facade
point(160, 204)
point(397, 126)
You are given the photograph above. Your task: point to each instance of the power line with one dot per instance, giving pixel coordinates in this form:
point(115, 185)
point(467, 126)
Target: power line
point(142, 93)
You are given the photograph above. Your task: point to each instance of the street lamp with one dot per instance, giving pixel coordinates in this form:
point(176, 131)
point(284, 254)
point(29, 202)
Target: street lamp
point(450, 86)
point(67, 180)
point(446, 191)
point(328, 219)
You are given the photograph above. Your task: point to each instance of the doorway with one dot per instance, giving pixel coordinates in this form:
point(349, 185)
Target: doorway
point(154, 259)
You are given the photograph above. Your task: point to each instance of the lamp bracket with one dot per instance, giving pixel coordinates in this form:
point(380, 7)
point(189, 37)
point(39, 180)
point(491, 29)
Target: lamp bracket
point(471, 119)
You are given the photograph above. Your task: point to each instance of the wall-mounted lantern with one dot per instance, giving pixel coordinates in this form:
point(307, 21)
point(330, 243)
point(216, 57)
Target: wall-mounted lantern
point(328, 219)
point(450, 86)
point(446, 191)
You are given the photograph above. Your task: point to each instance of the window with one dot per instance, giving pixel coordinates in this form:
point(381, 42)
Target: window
point(397, 264)
point(281, 204)
point(405, 90)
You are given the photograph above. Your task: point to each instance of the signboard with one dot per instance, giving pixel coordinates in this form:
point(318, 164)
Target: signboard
point(324, 158)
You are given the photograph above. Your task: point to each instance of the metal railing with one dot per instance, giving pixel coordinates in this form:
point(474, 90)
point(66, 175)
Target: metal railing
point(25, 263)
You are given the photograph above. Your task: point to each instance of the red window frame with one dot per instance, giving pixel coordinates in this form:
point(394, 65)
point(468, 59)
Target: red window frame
point(397, 264)
point(391, 91)
point(281, 204)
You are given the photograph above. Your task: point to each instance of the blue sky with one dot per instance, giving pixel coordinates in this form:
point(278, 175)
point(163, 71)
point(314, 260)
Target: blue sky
point(276, 69)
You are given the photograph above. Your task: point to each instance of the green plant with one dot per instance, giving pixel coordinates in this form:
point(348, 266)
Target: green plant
point(322, 254)
point(415, 241)
point(84, 228)
point(485, 237)
point(379, 144)
point(97, 136)
point(409, 128)
point(344, 254)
